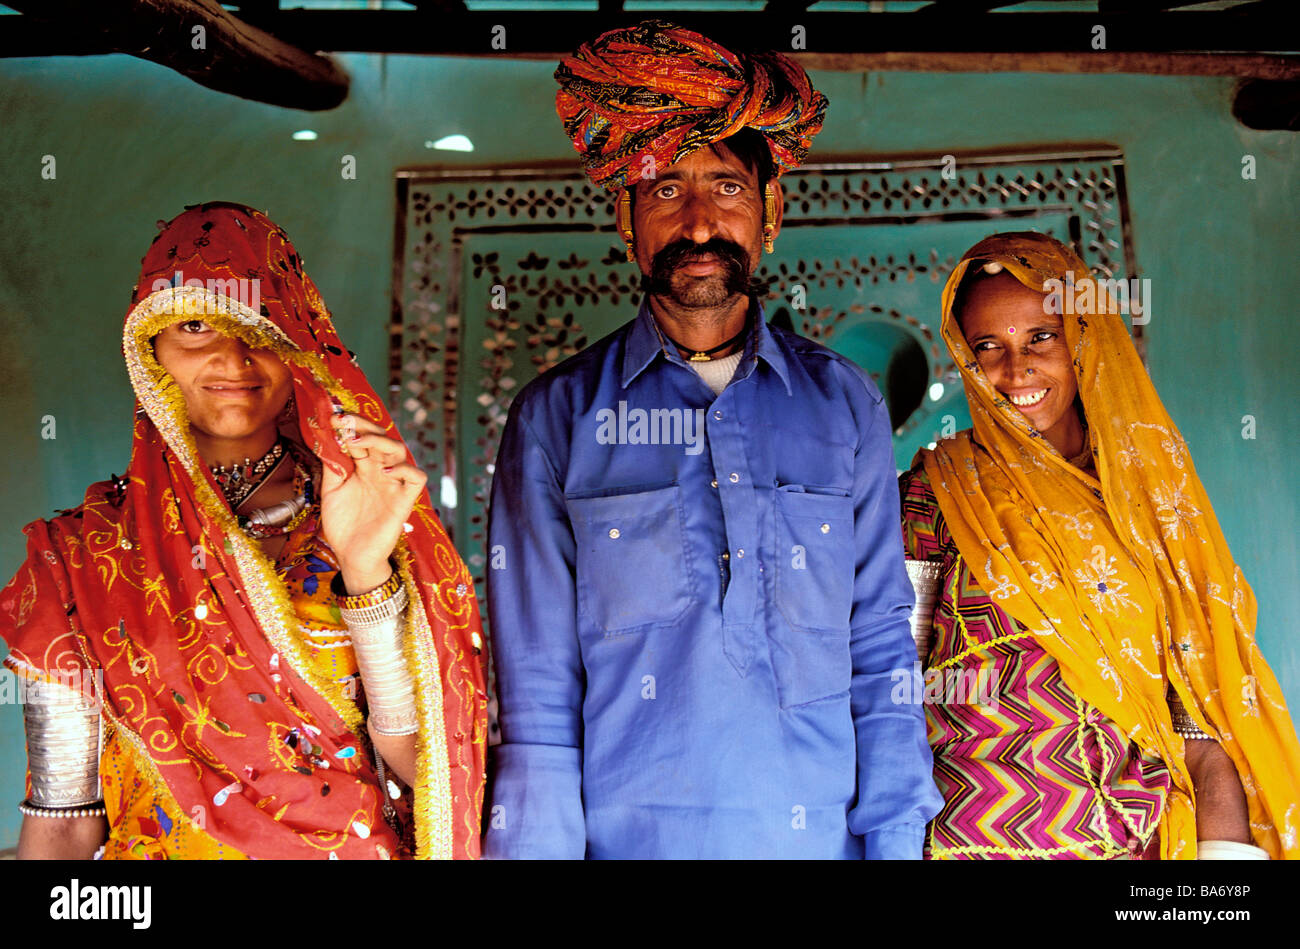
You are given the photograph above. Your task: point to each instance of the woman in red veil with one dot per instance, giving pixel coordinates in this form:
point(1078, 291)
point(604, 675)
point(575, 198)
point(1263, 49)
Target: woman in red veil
point(258, 642)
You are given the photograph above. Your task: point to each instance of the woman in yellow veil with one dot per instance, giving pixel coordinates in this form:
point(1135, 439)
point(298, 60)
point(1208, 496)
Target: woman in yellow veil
point(1081, 571)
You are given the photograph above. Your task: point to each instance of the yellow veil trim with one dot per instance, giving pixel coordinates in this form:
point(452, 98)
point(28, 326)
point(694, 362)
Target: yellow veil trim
point(1125, 579)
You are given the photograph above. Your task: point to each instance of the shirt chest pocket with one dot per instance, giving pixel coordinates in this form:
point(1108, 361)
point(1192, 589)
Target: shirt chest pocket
point(633, 564)
point(815, 567)
point(815, 559)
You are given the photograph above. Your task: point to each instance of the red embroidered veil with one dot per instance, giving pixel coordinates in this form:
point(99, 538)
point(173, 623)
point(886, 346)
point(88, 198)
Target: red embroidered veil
point(152, 582)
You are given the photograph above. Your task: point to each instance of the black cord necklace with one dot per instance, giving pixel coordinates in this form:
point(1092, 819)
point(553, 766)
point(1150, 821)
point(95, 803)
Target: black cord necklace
point(705, 355)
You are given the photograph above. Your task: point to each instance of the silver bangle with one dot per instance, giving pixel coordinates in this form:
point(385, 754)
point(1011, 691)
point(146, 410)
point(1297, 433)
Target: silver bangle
point(63, 745)
point(378, 637)
point(925, 576)
point(1183, 723)
point(378, 615)
point(395, 725)
point(28, 809)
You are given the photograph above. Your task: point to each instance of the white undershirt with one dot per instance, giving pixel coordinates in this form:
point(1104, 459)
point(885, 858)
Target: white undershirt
point(716, 373)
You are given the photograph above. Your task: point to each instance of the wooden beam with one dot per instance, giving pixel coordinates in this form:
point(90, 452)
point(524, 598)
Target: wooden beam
point(433, 6)
point(840, 42)
point(1141, 6)
point(1239, 65)
point(1244, 65)
point(551, 34)
point(198, 39)
point(951, 7)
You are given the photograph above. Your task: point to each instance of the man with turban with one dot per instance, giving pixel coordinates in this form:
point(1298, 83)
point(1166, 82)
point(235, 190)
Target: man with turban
point(702, 608)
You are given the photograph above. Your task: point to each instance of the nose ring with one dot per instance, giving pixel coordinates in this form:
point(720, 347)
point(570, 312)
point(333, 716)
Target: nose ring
point(248, 361)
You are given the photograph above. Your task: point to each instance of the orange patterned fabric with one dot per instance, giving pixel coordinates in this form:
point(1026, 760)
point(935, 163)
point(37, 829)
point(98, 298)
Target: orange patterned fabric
point(151, 582)
point(642, 98)
point(145, 822)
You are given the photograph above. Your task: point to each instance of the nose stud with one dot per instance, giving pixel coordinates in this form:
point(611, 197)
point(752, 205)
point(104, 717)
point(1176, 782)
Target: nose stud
point(1029, 371)
point(248, 360)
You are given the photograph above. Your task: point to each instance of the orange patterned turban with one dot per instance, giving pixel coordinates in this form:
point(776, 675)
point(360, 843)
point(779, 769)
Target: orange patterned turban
point(647, 96)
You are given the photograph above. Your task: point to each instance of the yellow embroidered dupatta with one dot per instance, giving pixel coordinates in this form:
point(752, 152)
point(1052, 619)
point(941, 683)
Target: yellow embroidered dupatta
point(1126, 579)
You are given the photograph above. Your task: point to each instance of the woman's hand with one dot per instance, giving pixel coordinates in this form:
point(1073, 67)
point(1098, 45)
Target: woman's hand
point(362, 516)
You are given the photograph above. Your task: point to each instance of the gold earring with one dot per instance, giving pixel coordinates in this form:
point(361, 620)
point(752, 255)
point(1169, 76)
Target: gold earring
point(625, 222)
point(769, 217)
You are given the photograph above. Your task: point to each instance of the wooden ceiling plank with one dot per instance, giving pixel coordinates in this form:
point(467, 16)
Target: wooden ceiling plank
point(198, 39)
point(409, 31)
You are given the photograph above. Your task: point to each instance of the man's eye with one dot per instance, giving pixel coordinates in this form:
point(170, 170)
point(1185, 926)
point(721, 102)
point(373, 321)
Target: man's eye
point(730, 188)
point(667, 191)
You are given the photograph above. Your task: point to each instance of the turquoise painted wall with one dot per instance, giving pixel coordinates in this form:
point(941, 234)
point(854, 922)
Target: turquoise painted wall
point(134, 143)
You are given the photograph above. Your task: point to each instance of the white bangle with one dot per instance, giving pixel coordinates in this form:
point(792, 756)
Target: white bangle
point(378, 635)
point(925, 576)
point(1228, 850)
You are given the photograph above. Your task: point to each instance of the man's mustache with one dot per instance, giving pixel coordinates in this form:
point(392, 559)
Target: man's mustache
point(669, 258)
point(732, 257)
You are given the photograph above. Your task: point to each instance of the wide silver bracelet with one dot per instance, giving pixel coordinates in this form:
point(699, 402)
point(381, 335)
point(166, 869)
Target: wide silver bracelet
point(925, 577)
point(1184, 724)
point(378, 640)
point(63, 746)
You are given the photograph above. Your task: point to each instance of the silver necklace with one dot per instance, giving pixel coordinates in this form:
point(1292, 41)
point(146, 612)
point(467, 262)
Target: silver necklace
point(238, 481)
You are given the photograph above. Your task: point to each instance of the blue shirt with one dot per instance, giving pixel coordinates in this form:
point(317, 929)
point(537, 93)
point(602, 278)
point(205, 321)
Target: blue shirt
point(699, 612)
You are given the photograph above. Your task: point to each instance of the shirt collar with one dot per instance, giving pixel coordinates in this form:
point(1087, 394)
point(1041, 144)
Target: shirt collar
point(643, 345)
